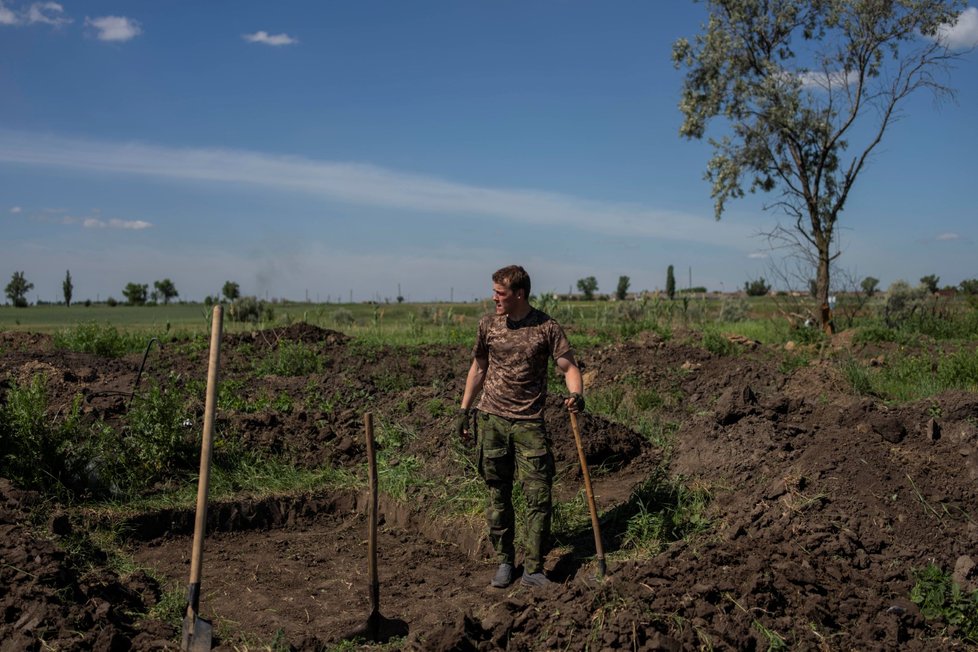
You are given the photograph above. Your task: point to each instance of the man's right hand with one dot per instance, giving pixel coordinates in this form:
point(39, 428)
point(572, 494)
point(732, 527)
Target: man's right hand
point(462, 426)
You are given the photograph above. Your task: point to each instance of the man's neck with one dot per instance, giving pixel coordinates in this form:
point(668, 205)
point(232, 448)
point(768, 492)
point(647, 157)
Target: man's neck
point(520, 313)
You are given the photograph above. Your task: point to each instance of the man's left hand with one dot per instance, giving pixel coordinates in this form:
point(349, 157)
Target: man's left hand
point(574, 403)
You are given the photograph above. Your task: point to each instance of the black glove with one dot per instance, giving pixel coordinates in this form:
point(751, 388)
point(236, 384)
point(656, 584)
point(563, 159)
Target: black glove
point(575, 403)
point(462, 425)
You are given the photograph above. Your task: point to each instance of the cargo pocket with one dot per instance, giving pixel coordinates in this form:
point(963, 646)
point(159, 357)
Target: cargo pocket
point(539, 464)
point(494, 465)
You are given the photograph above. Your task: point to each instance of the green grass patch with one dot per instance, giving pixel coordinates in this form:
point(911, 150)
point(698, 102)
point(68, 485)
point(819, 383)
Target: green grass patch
point(100, 339)
point(290, 359)
point(661, 511)
point(912, 377)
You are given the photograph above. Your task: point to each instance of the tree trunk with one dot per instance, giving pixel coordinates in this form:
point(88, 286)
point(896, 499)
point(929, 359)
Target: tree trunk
point(822, 285)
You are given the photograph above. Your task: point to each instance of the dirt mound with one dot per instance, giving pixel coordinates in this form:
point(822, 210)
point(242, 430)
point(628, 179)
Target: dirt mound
point(44, 597)
point(297, 332)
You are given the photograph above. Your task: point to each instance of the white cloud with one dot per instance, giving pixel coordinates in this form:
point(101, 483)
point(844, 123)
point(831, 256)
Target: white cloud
point(96, 223)
point(47, 13)
point(16, 209)
point(948, 236)
point(964, 33)
point(370, 185)
point(44, 13)
point(49, 216)
point(270, 39)
point(828, 81)
point(7, 17)
point(114, 28)
point(757, 255)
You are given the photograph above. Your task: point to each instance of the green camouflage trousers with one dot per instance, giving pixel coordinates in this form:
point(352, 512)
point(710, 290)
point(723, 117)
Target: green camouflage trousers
point(520, 450)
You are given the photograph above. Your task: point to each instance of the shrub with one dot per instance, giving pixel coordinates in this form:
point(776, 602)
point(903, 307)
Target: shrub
point(250, 309)
point(733, 310)
point(902, 303)
point(756, 288)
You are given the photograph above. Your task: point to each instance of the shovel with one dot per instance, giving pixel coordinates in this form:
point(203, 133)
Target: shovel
point(598, 546)
point(377, 628)
point(197, 632)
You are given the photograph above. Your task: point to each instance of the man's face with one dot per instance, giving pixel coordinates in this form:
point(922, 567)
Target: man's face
point(506, 300)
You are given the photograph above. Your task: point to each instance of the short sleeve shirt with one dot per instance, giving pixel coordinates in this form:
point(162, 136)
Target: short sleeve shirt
point(519, 354)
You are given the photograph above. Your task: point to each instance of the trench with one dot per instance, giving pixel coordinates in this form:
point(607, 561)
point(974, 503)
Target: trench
point(294, 568)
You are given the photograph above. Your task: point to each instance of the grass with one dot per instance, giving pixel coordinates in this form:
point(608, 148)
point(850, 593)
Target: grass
point(911, 377)
point(104, 339)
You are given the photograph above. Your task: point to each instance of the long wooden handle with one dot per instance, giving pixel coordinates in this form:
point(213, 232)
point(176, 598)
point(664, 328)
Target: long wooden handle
point(368, 422)
point(203, 483)
point(598, 546)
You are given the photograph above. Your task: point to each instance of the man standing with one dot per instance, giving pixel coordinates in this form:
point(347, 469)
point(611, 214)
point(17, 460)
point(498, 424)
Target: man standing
point(509, 365)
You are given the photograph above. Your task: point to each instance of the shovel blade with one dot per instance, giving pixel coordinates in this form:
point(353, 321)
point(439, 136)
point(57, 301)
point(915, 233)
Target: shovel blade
point(198, 634)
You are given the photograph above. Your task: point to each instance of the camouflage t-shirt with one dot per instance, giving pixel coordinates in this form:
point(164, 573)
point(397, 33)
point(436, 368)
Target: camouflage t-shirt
point(518, 352)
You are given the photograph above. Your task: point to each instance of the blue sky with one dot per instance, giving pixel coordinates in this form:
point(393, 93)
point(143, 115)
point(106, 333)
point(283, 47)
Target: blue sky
point(319, 149)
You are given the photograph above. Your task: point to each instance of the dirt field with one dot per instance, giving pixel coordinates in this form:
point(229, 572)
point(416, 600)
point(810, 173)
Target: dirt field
point(823, 504)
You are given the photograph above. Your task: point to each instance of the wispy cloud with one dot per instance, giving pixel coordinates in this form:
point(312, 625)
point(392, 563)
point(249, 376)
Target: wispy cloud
point(826, 80)
point(963, 34)
point(114, 28)
point(270, 39)
point(948, 236)
point(757, 255)
point(43, 13)
point(369, 185)
point(47, 13)
point(96, 223)
point(15, 210)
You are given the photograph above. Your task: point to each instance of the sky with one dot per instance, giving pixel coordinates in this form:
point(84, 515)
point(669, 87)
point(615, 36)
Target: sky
point(336, 150)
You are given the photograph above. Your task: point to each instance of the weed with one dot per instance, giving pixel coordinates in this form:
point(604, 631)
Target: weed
point(98, 339)
point(290, 359)
point(717, 344)
point(436, 407)
point(775, 641)
point(171, 606)
point(939, 598)
point(662, 511)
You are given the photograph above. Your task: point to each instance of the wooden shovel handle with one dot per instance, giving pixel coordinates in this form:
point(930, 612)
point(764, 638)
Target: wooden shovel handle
point(203, 483)
point(592, 508)
point(368, 423)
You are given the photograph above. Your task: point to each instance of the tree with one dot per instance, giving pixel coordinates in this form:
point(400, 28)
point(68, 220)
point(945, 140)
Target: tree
point(870, 285)
point(621, 292)
point(670, 283)
point(135, 293)
point(756, 288)
point(930, 282)
point(969, 286)
point(793, 120)
point(231, 291)
point(166, 289)
point(18, 288)
point(67, 287)
point(588, 286)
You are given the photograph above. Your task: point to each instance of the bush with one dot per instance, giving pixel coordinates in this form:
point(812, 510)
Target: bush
point(250, 309)
point(756, 288)
point(902, 303)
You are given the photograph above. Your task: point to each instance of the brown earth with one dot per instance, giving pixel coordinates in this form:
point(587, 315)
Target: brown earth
point(823, 504)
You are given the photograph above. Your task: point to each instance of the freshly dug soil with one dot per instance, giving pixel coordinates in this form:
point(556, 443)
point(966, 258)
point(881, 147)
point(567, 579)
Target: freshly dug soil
point(823, 505)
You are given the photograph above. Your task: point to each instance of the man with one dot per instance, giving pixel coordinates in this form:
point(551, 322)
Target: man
point(509, 365)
